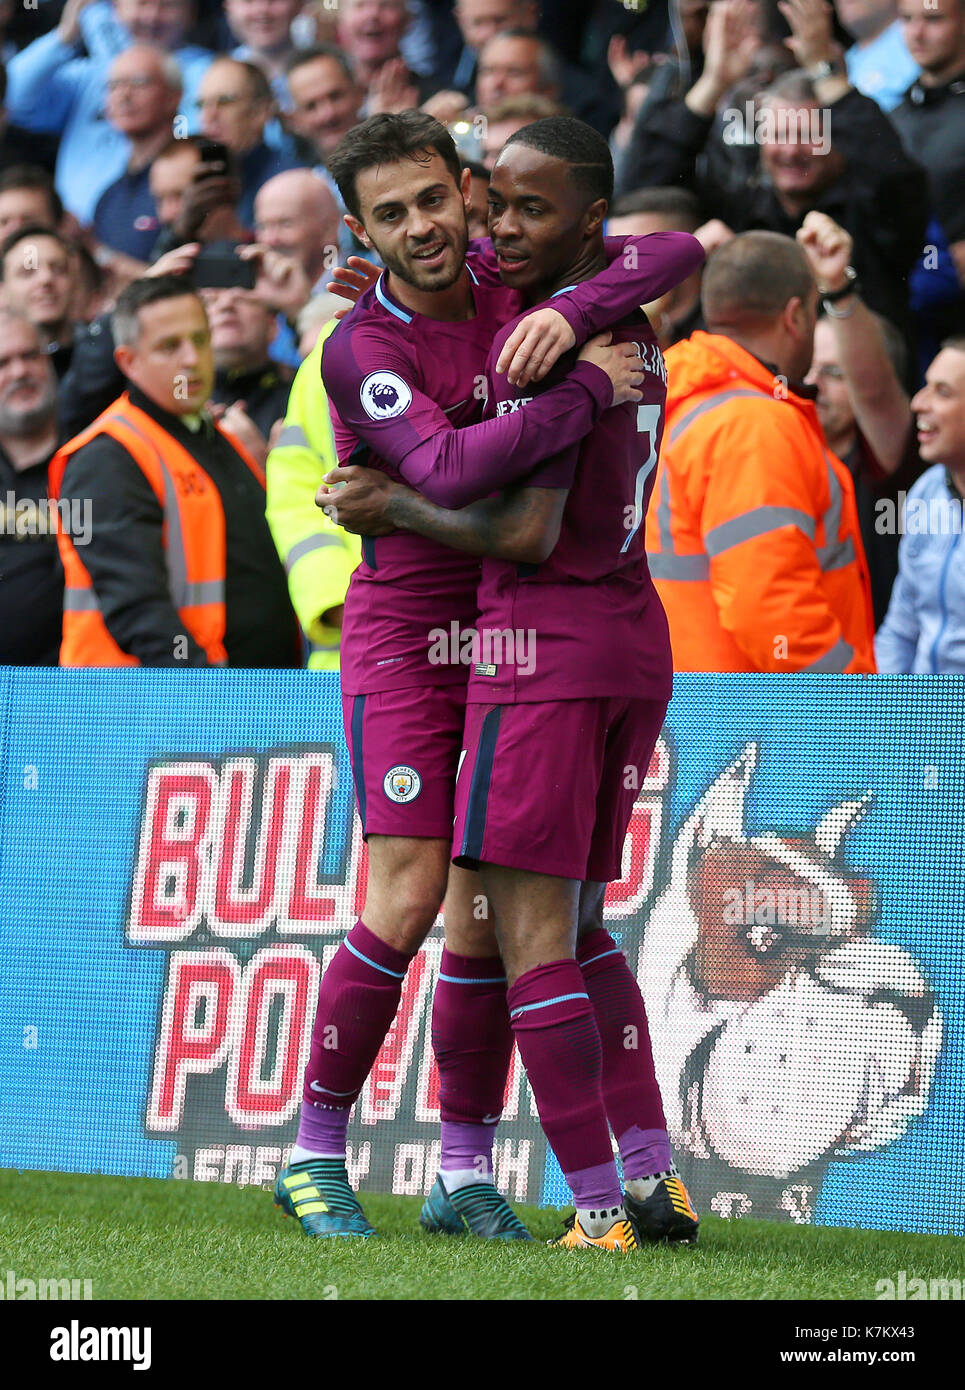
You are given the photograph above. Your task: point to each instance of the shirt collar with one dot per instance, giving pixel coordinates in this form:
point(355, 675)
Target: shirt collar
point(389, 301)
point(191, 424)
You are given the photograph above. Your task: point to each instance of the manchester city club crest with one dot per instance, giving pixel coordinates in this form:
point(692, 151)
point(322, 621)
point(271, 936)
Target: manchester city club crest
point(385, 395)
point(402, 784)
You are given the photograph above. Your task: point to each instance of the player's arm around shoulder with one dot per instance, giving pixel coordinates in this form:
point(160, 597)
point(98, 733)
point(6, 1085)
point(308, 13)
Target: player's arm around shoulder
point(522, 524)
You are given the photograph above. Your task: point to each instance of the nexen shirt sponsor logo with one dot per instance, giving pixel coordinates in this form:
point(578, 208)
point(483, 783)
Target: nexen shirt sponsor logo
point(507, 407)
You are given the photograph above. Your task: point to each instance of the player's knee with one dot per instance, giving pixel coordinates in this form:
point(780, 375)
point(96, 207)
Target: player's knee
point(470, 936)
point(525, 949)
point(591, 908)
point(402, 914)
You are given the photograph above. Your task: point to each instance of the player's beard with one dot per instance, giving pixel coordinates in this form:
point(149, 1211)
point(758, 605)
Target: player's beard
point(432, 281)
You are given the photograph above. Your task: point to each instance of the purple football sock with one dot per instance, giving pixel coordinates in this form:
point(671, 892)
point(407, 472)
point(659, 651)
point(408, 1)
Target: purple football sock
point(645, 1152)
point(357, 1001)
point(322, 1131)
point(467, 1147)
point(472, 1038)
point(559, 1043)
point(630, 1091)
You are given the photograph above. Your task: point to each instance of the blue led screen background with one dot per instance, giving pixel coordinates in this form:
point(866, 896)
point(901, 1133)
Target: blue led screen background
point(179, 857)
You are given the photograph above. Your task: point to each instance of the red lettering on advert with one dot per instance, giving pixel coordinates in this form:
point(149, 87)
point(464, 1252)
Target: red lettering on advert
point(290, 974)
point(234, 906)
point(175, 830)
point(198, 982)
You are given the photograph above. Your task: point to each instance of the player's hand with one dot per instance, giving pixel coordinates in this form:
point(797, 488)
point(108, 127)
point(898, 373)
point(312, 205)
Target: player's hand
point(535, 346)
point(621, 362)
point(828, 248)
point(358, 499)
point(352, 279)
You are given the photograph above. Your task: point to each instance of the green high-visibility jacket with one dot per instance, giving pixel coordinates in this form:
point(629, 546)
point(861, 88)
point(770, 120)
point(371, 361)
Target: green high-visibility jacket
point(318, 555)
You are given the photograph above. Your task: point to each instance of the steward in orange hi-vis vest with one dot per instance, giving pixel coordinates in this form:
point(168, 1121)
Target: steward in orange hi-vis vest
point(752, 532)
point(194, 530)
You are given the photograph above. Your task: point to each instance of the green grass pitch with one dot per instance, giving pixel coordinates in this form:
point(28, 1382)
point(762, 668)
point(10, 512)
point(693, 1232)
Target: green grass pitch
point(140, 1238)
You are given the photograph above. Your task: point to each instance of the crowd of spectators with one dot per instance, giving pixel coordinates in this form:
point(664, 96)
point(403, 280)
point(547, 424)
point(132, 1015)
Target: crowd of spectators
point(171, 156)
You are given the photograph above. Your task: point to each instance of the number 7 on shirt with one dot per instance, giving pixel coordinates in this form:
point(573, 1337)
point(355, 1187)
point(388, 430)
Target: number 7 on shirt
point(648, 423)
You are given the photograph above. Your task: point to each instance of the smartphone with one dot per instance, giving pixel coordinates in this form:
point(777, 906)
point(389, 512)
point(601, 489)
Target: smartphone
point(222, 270)
point(213, 152)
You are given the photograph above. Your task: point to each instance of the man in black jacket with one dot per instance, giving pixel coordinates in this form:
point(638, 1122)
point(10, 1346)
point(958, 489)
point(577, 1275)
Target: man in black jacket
point(822, 145)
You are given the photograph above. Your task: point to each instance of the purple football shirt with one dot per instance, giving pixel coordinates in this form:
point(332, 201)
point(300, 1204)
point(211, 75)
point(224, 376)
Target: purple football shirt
point(588, 620)
point(404, 390)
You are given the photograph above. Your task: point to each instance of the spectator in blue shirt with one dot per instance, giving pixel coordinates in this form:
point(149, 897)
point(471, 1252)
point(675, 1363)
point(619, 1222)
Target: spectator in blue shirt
point(57, 85)
point(262, 29)
point(878, 62)
point(143, 91)
point(924, 629)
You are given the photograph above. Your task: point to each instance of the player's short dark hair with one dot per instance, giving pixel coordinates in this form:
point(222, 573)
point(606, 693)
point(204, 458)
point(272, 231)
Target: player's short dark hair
point(387, 139)
point(579, 145)
point(478, 170)
point(303, 56)
point(752, 277)
point(33, 176)
point(956, 342)
point(29, 233)
point(678, 204)
point(125, 324)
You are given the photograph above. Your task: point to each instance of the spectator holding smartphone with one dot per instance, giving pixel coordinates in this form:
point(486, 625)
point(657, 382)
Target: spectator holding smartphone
point(196, 191)
point(236, 103)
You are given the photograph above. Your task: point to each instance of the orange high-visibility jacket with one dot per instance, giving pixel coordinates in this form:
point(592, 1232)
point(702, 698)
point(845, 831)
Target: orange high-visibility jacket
point(194, 539)
point(752, 532)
